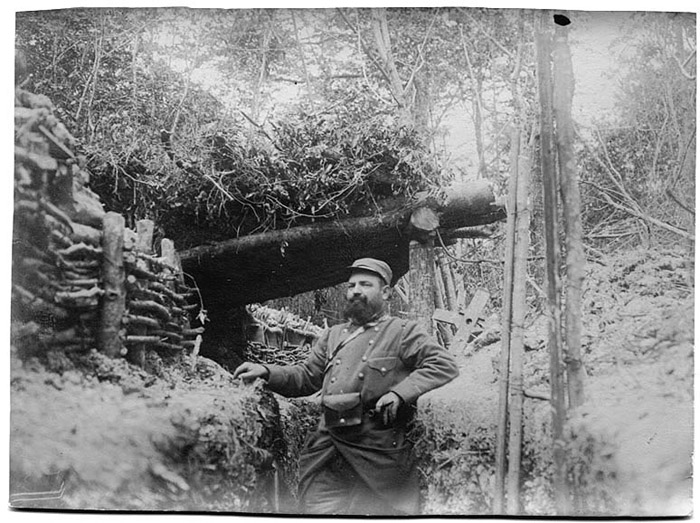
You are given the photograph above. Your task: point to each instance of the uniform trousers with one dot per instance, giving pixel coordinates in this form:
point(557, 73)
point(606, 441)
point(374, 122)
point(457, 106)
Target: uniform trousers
point(337, 489)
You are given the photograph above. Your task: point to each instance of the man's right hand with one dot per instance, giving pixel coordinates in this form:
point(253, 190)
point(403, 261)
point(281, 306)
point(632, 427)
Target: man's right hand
point(251, 371)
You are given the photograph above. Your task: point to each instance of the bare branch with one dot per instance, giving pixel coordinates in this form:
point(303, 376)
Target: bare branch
point(681, 66)
point(485, 33)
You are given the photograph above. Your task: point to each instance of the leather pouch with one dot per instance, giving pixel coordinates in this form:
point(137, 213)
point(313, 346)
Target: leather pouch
point(342, 410)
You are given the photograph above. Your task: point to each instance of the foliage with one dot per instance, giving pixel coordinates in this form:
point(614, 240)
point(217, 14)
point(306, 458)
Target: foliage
point(158, 145)
point(299, 417)
point(644, 159)
point(456, 455)
point(315, 168)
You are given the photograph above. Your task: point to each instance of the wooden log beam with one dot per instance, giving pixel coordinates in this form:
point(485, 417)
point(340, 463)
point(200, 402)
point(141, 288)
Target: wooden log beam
point(281, 263)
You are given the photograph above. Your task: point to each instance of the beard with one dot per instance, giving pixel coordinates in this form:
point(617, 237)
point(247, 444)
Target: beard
point(361, 311)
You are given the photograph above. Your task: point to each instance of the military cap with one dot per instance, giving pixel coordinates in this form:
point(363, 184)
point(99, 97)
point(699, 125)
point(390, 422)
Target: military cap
point(372, 265)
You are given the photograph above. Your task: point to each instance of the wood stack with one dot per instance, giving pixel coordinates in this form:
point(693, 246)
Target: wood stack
point(82, 280)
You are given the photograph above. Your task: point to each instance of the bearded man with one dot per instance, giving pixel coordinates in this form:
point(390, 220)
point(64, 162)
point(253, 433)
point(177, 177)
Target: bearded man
point(370, 372)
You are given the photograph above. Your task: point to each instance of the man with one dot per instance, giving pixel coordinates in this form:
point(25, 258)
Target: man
point(370, 371)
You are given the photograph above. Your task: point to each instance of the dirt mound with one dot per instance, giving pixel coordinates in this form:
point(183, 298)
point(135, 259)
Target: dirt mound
point(96, 433)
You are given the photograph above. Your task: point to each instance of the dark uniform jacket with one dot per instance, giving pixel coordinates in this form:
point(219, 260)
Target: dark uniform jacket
point(387, 355)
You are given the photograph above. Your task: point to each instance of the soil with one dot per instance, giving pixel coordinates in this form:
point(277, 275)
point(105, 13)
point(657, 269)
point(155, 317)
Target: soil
point(94, 433)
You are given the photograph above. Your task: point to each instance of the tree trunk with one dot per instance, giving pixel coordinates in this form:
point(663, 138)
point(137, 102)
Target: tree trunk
point(307, 77)
point(551, 229)
point(571, 201)
point(477, 107)
point(382, 40)
point(262, 74)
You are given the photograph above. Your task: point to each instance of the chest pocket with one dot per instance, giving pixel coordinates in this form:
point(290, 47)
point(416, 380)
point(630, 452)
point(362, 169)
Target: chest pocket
point(381, 375)
point(382, 365)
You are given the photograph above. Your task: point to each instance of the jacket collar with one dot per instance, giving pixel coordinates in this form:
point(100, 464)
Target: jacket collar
point(372, 323)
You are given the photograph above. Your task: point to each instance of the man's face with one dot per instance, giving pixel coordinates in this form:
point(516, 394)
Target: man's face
point(366, 296)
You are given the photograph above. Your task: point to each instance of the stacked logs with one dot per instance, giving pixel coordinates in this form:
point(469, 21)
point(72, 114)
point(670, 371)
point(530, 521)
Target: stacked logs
point(81, 279)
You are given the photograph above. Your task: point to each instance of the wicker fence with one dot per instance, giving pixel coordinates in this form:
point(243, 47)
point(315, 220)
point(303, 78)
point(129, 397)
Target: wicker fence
point(81, 279)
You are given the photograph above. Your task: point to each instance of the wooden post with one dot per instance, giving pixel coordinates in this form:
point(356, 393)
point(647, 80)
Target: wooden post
point(422, 281)
point(563, 77)
point(449, 282)
point(551, 230)
point(168, 252)
point(144, 243)
point(517, 327)
point(442, 330)
point(144, 236)
point(504, 366)
point(109, 336)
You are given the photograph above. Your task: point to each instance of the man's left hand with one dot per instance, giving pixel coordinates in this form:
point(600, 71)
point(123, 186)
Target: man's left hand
point(388, 405)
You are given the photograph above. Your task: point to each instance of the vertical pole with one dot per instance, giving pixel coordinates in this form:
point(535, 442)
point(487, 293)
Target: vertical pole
point(422, 283)
point(551, 229)
point(144, 243)
point(517, 327)
point(443, 332)
point(113, 302)
point(504, 366)
point(563, 77)
point(449, 282)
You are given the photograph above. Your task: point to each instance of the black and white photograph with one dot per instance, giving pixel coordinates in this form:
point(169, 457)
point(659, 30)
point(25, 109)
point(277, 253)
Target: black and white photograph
point(351, 260)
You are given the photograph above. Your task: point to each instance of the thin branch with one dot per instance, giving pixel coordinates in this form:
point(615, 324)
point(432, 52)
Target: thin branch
point(681, 66)
point(669, 192)
point(260, 129)
point(485, 33)
point(613, 174)
point(536, 396)
point(679, 171)
point(364, 48)
point(649, 219)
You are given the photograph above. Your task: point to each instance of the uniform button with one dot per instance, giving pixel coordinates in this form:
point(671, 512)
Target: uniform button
point(361, 375)
point(371, 342)
point(364, 358)
point(332, 380)
point(337, 362)
point(345, 330)
point(393, 443)
point(376, 329)
point(382, 370)
point(342, 420)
